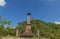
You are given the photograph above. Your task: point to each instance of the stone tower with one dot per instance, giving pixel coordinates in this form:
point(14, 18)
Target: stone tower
point(28, 31)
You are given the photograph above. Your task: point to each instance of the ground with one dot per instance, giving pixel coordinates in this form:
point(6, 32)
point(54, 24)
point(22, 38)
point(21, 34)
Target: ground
point(13, 37)
point(21, 38)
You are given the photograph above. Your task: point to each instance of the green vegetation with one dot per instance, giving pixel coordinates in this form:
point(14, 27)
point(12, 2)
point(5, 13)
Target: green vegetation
point(47, 30)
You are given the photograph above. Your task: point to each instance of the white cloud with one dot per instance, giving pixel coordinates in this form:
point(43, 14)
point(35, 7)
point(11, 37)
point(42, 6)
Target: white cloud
point(57, 22)
point(2, 2)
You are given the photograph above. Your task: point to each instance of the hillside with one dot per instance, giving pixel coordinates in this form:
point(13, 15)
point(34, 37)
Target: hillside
point(49, 30)
point(46, 30)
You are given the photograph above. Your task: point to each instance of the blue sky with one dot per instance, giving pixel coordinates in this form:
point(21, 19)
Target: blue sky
point(16, 10)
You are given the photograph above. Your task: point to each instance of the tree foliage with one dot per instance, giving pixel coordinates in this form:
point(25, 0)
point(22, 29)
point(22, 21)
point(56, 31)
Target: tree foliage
point(47, 30)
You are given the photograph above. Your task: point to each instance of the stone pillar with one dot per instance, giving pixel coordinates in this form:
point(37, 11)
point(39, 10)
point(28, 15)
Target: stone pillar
point(28, 31)
point(28, 18)
point(38, 34)
point(17, 31)
point(28, 26)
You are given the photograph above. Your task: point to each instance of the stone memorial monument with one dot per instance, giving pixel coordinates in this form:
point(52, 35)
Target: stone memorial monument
point(28, 31)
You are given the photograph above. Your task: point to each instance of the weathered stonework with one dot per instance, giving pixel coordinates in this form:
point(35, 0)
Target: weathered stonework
point(28, 31)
